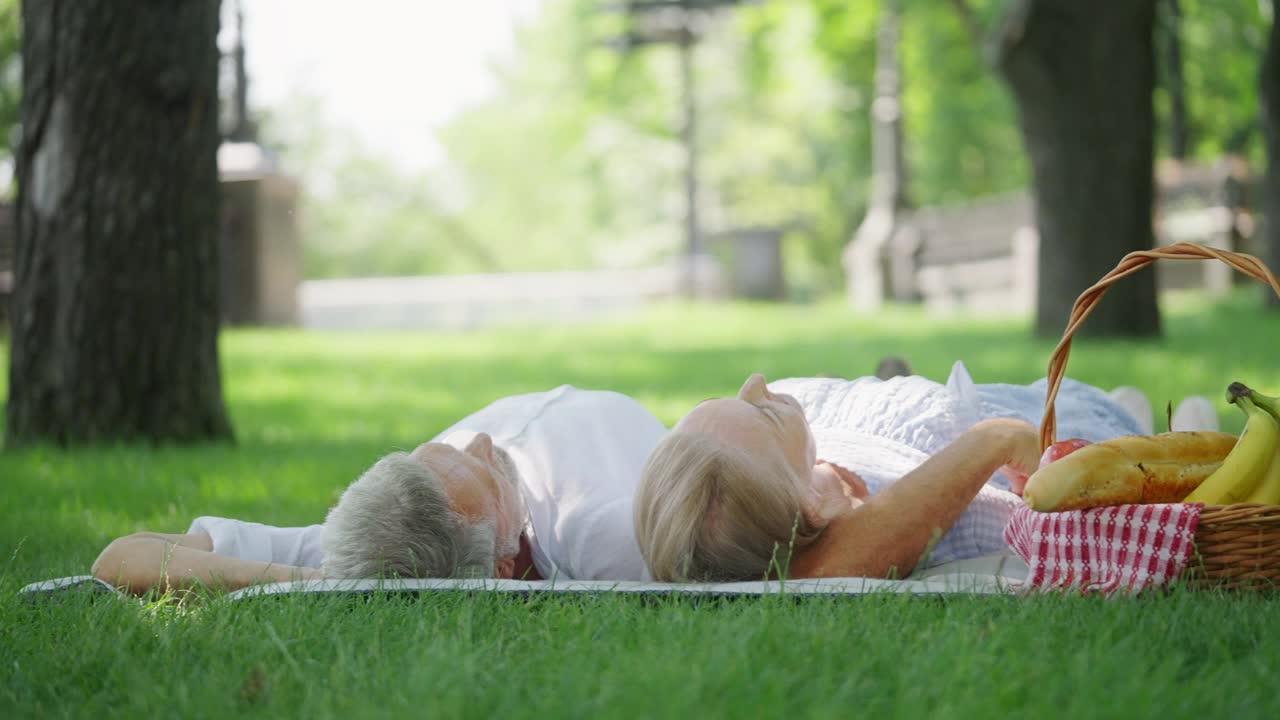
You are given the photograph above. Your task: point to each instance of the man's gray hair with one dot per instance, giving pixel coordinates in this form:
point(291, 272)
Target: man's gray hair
point(396, 520)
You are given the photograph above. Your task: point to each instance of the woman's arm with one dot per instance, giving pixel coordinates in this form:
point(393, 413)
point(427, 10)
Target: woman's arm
point(888, 534)
point(141, 561)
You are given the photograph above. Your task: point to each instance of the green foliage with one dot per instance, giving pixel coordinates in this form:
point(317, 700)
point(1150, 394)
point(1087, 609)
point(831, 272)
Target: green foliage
point(313, 410)
point(961, 125)
point(575, 161)
point(1222, 45)
point(360, 214)
point(10, 71)
point(784, 94)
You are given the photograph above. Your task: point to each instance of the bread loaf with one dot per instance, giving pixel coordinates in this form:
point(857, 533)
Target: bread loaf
point(1133, 469)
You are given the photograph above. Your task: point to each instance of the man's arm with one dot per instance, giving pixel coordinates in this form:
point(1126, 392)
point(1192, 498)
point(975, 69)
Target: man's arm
point(141, 561)
point(888, 534)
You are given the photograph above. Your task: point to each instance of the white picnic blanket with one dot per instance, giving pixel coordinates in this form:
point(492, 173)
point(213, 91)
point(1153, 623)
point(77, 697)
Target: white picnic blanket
point(987, 575)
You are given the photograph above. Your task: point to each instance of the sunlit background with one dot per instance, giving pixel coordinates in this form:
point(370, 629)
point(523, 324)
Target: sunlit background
point(430, 164)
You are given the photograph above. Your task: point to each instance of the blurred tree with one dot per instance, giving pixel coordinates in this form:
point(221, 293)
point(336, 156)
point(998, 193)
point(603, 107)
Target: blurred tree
point(959, 134)
point(873, 239)
point(574, 160)
point(1083, 74)
point(115, 313)
point(1169, 29)
point(10, 85)
point(1221, 43)
point(1269, 90)
point(961, 126)
point(10, 72)
point(788, 142)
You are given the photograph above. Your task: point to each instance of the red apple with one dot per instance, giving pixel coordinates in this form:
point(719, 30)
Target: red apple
point(1061, 449)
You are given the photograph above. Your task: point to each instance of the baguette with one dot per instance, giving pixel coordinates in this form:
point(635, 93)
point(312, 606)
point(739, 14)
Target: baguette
point(1160, 468)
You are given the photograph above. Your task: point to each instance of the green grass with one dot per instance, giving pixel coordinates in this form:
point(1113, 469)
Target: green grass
point(312, 410)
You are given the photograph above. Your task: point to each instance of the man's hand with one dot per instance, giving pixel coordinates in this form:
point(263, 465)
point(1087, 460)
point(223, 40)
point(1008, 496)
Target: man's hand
point(139, 562)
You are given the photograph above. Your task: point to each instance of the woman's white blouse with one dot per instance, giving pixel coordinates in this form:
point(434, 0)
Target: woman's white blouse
point(881, 430)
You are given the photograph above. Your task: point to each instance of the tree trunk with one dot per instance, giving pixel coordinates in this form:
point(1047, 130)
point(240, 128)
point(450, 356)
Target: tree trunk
point(1082, 73)
point(115, 310)
point(875, 268)
point(1269, 93)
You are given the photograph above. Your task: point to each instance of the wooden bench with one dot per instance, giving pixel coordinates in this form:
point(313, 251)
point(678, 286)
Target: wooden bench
point(1207, 205)
point(978, 256)
point(982, 256)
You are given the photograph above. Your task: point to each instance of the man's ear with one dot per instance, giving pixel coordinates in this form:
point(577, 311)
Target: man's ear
point(481, 447)
point(505, 568)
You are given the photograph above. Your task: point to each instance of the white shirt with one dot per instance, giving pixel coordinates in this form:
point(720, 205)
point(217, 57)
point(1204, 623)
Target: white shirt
point(579, 454)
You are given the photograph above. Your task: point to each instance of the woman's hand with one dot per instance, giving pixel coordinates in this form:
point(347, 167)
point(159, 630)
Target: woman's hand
point(835, 491)
point(850, 484)
point(1018, 477)
point(1022, 450)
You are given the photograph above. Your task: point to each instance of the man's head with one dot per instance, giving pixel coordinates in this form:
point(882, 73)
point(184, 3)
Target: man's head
point(436, 512)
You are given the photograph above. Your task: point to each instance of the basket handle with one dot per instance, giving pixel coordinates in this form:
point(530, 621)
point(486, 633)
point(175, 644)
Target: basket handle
point(1133, 262)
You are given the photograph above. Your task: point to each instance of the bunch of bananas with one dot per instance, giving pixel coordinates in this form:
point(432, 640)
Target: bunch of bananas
point(1251, 472)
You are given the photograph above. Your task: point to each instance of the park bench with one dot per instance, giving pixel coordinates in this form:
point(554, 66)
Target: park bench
point(982, 255)
point(977, 256)
point(1209, 205)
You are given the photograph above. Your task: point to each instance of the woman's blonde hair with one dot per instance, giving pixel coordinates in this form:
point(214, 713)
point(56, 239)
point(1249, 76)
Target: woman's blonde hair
point(706, 512)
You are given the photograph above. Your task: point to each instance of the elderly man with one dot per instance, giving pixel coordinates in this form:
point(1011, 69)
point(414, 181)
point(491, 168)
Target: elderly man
point(532, 486)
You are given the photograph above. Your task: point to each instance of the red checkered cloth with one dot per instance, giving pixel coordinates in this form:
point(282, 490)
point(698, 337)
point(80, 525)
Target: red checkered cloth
point(1105, 550)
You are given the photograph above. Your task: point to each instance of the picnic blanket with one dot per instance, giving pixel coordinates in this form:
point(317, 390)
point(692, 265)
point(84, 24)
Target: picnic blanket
point(1105, 550)
point(987, 575)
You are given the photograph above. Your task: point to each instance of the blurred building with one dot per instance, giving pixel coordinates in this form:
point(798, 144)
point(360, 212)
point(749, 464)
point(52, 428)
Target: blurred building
point(260, 255)
point(258, 238)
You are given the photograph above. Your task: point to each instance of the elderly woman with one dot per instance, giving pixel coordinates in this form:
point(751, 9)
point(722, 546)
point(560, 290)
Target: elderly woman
point(828, 477)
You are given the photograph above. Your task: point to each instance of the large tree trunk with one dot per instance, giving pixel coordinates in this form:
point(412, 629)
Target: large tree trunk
point(115, 319)
point(1082, 73)
point(1269, 90)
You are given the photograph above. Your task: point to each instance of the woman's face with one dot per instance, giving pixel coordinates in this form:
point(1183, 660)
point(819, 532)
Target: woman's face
point(759, 422)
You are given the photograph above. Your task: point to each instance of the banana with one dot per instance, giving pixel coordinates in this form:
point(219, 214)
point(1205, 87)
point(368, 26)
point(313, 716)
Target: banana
point(1266, 402)
point(1268, 490)
point(1247, 463)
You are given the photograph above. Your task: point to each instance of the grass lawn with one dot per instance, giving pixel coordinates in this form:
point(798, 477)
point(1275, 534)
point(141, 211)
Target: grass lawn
point(313, 410)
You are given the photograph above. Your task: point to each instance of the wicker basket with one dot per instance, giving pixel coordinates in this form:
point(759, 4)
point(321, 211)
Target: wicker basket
point(1236, 546)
